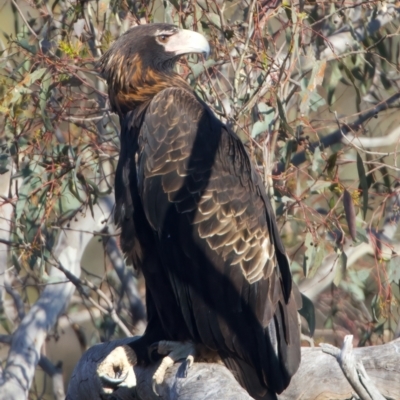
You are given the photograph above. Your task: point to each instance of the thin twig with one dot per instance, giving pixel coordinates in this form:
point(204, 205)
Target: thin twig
point(336, 136)
point(24, 19)
point(250, 31)
point(78, 283)
point(353, 370)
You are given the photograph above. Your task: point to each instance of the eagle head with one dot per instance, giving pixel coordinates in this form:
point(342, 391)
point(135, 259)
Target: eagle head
point(140, 63)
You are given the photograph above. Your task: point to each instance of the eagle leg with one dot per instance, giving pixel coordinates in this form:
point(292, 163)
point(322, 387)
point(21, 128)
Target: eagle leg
point(116, 370)
point(173, 351)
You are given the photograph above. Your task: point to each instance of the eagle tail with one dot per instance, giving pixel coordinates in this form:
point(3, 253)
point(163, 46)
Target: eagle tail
point(248, 378)
point(282, 339)
point(278, 353)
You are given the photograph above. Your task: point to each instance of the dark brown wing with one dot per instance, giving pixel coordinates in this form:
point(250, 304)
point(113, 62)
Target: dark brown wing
point(217, 238)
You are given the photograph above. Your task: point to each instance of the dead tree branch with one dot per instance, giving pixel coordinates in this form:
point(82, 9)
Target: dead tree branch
point(318, 377)
point(27, 341)
point(337, 136)
point(353, 370)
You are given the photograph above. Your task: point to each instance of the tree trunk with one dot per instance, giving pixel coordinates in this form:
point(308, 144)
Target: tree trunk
point(320, 377)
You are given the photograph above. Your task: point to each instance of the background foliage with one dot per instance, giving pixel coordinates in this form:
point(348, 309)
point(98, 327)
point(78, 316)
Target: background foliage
point(312, 88)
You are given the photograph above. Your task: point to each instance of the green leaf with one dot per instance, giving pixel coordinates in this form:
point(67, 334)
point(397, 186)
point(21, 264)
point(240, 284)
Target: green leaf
point(350, 213)
point(34, 76)
point(394, 270)
point(24, 43)
point(356, 291)
point(319, 256)
point(316, 101)
point(361, 235)
point(386, 178)
point(267, 116)
point(259, 127)
point(199, 68)
point(202, 4)
point(309, 255)
point(340, 267)
point(309, 97)
point(291, 147)
point(318, 186)
point(332, 83)
point(44, 94)
point(318, 162)
point(175, 3)
point(351, 77)
point(363, 183)
point(308, 312)
point(68, 203)
point(4, 161)
point(282, 116)
point(214, 19)
point(331, 163)
point(29, 212)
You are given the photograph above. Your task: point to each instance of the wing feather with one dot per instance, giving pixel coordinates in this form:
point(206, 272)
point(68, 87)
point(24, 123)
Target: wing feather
point(217, 235)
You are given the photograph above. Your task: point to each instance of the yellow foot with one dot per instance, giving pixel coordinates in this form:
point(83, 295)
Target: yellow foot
point(173, 351)
point(116, 370)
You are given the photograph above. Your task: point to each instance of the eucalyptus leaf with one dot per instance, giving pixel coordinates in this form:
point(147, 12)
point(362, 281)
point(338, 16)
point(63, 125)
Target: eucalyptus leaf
point(363, 183)
point(79, 25)
point(361, 235)
point(309, 255)
point(282, 116)
point(316, 101)
point(310, 99)
point(24, 43)
point(318, 162)
point(318, 186)
point(4, 163)
point(331, 163)
point(308, 312)
point(267, 114)
point(44, 94)
point(332, 82)
point(199, 68)
point(259, 127)
point(394, 270)
point(341, 265)
point(214, 19)
point(352, 80)
point(350, 213)
point(319, 256)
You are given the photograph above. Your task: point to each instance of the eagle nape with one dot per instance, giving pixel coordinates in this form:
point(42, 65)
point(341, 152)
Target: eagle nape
point(195, 218)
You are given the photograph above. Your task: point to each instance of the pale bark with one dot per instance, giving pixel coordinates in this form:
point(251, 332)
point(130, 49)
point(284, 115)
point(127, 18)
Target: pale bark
point(27, 340)
point(320, 377)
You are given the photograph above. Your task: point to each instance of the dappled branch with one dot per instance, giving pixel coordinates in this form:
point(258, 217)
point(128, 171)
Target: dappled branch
point(337, 135)
point(319, 377)
point(267, 59)
point(30, 335)
point(378, 241)
point(128, 284)
point(353, 370)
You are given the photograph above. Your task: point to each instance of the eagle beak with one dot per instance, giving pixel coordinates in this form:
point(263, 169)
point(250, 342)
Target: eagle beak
point(185, 42)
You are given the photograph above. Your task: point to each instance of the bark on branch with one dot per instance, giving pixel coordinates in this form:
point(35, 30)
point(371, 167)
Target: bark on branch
point(18, 373)
point(320, 377)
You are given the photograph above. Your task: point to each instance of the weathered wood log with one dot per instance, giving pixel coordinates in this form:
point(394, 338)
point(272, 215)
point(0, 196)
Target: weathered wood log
point(319, 377)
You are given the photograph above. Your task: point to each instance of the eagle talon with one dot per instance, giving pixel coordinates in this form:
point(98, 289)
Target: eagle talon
point(154, 387)
point(116, 370)
point(153, 352)
point(177, 160)
point(187, 365)
point(173, 351)
point(113, 382)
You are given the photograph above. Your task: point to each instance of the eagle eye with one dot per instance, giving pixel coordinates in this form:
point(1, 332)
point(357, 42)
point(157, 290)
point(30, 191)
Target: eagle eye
point(163, 38)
